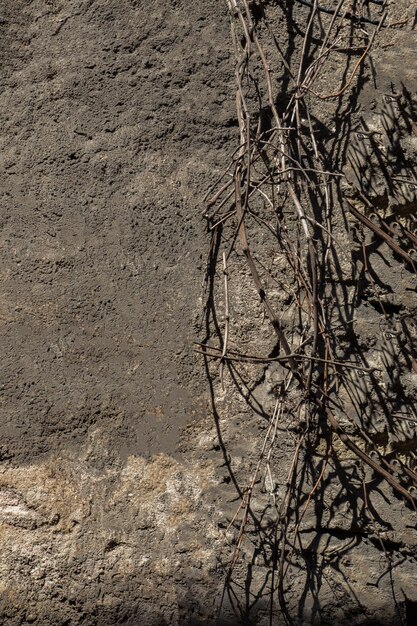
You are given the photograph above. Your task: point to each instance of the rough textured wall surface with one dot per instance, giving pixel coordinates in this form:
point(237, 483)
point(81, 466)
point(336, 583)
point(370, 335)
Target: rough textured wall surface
point(115, 497)
point(114, 114)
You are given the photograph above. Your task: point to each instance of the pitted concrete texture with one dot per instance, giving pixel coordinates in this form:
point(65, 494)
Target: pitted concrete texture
point(114, 118)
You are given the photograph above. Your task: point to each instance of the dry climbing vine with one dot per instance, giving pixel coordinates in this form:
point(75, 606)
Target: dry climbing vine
point(282, 179)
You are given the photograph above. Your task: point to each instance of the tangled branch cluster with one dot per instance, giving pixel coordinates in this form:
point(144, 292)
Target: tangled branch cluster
point(282, 178)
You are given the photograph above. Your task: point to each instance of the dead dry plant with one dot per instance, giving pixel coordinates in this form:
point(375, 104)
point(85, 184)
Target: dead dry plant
point(281, 179)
